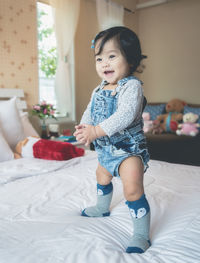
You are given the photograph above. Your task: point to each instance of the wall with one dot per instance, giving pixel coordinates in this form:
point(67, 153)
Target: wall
point(85, 73)
point(18, 47)
point(170, 37)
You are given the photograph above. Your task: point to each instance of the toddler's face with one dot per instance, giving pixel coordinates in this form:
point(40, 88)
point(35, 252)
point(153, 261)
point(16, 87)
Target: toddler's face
point(111, 65)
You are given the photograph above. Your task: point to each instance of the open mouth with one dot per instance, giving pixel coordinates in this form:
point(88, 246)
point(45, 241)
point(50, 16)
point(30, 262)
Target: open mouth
point(108, 72)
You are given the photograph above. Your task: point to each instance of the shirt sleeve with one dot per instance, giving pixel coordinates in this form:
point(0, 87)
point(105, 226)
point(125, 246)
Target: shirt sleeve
point(86, 117)
point(129, 108)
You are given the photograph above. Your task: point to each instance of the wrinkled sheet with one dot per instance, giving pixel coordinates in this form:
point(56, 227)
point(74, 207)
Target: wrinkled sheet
point(40, 222)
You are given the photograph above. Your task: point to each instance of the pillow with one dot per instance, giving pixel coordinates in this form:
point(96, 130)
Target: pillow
point(10, 122)
point(193, 110)
point(5, 152)
point(154, 110)
point(28, 127)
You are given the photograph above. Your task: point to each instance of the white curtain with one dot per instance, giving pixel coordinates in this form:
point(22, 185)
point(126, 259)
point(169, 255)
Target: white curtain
point(66, 14)
point(109, 14)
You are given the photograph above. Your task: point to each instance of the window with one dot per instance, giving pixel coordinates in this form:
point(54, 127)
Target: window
point(56, 55)
point(47, 54)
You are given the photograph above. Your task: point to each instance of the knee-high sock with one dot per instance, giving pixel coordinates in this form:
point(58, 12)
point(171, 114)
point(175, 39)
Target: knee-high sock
point(104, 197)
point(140, 214)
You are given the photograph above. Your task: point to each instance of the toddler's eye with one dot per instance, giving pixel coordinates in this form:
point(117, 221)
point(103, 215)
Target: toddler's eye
point(98, 59)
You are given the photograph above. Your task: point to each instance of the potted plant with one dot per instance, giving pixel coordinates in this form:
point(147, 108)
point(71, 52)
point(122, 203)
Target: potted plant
point(44, 111)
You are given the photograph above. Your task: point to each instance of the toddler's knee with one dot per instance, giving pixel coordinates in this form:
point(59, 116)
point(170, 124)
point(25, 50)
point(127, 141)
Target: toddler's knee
point(103, 177)
point(133, 194)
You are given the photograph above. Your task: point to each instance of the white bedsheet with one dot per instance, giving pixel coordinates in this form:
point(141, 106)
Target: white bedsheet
point(40, 222)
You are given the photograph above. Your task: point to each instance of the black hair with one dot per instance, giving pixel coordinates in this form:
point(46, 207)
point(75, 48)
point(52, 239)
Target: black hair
point(128, 42)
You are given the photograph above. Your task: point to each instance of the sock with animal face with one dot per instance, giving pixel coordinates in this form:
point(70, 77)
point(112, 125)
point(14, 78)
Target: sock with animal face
point(140, 214)
point(104, 197)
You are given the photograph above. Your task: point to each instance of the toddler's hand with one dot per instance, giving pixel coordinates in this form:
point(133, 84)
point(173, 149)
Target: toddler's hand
point(85, 133)
point(78, 132)
point(78, 128)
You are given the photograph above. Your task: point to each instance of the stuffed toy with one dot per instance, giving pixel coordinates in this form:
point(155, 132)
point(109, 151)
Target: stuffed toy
point(46, 149)
point(157, 129)
point(148, 124)
point(189, 127)
point(169, 120)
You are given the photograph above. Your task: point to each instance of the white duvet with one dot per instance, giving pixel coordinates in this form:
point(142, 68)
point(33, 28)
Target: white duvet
point(40, 222)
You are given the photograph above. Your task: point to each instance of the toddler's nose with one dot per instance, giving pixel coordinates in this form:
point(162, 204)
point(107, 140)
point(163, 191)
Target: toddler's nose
point(105, 63)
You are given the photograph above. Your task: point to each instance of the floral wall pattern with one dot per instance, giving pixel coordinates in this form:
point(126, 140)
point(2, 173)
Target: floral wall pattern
point(18, 47)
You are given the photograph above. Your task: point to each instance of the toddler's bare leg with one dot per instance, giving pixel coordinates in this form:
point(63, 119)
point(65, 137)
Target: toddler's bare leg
point(104, 195)
point(103, 176)
point(131, 173)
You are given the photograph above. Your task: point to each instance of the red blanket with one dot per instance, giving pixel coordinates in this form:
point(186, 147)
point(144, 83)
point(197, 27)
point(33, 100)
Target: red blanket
point(54, 150)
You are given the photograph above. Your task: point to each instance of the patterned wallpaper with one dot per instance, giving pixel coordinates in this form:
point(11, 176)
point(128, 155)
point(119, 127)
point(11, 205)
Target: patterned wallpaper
point(18, 47)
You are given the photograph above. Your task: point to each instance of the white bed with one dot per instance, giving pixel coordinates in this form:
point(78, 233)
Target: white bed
point(40, 218)
point(40, 204)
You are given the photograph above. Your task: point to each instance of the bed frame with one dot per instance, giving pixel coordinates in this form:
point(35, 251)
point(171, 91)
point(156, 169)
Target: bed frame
point(10, 93)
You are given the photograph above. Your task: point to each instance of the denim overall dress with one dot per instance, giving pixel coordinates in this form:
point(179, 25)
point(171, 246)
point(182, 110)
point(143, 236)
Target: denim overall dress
point(123, 144)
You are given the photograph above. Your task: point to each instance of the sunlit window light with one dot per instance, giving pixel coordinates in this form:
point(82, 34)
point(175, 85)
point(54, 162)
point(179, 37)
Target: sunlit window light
point(47, 54)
